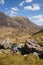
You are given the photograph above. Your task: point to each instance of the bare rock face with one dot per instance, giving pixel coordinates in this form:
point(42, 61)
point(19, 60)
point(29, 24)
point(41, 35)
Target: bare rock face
point(32, 46)
point(7, 43)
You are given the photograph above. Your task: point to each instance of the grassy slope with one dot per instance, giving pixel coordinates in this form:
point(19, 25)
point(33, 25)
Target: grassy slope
point(39, 37)
point(12, 34)
point(9, 59)
point(14, 59)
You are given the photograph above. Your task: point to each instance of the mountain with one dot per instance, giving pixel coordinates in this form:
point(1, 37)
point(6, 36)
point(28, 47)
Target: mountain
point(42, 26)
point(17, 25)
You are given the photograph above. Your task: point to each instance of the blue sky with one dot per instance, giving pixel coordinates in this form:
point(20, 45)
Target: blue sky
point(33, 9)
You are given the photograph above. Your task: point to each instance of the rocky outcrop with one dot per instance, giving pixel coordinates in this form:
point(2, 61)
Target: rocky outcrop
point(7, 43)
point(32, 46)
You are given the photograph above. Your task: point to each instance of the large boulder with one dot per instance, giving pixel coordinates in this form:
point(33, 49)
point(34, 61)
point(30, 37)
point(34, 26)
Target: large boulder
point(32, 45)
point(7, 43)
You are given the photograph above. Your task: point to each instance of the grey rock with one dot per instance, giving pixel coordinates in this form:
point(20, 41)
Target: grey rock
point(16, 47)
point(35, 54)
point(7, 43)
point(32, 45)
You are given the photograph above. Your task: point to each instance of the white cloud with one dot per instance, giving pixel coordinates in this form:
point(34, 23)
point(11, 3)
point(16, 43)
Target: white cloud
point(34, 7)
point(2, 1)
point(38, 18)
point(28, 1)
point(14, 9)
point(28, 7)
point(21, 3)
point(11, 12)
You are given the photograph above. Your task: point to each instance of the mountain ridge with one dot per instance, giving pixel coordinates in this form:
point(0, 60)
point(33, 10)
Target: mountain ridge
point(21, 24)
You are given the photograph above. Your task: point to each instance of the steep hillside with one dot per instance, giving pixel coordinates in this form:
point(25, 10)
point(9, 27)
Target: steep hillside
point(42, 26)
point(18, 23)
point(25, 23)
point(16, 26)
